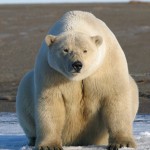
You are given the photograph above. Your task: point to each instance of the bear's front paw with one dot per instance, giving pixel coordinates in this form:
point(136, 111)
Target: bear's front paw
point(50, 148)
point(115, 144)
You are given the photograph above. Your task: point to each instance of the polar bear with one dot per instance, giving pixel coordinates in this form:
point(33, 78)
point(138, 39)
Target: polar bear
point(80, 91)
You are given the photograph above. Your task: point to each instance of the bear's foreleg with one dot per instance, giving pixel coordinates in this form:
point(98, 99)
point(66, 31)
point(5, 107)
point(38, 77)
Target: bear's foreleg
point(117, 115)
point(50, 113)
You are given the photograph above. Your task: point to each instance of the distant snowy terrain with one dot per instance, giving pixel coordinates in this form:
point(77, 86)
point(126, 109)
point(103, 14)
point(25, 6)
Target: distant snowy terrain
point(13, 138)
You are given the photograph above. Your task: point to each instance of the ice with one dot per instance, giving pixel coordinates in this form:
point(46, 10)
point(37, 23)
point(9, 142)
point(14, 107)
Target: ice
point(13, 138)
point(145, 134)
point(9, 124)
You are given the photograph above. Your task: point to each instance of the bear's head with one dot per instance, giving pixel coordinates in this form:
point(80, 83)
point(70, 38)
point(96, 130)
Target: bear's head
point(75, 55)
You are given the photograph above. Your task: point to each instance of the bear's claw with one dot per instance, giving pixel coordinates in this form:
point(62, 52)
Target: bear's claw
point(113, 147)
point(119, 142)
point(117, 146)
point(49, 148)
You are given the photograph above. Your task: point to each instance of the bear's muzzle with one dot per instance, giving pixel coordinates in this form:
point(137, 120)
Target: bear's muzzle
point(77, 66)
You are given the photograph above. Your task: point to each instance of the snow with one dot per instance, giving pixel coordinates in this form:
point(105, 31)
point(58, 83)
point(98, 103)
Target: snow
point(13, 138)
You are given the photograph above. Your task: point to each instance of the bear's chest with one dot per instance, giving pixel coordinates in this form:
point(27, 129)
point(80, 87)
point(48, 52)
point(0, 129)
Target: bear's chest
point(82, 102)
point(81, 98)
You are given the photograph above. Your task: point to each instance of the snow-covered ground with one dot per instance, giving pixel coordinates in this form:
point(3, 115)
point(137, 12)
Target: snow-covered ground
point(13, 138)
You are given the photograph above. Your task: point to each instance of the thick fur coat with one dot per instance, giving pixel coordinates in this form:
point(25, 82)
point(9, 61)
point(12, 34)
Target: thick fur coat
point(80, 91)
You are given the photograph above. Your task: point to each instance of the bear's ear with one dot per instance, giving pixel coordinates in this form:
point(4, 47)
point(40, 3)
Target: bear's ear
point(97, 40)
point(49, 39)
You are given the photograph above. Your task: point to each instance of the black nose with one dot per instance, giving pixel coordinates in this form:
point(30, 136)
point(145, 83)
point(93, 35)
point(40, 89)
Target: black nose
point(77, 65)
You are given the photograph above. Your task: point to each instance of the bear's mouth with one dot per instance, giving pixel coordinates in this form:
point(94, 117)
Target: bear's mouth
point(73, 73)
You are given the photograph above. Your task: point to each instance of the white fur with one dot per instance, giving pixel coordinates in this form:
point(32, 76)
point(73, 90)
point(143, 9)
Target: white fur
point(97, 108)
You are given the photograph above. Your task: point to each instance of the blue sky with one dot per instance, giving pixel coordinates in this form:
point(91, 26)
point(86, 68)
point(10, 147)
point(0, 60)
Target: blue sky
point(57, 1)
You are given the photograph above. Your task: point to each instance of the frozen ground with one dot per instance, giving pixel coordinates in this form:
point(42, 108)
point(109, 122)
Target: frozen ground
point(13, 138)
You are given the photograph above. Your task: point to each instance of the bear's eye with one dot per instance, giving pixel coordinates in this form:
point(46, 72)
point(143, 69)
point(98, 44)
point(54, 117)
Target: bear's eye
point(85, 51)
point(66, 50)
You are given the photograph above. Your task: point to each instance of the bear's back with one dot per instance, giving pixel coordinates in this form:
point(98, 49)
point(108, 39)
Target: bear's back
point(78, 21)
